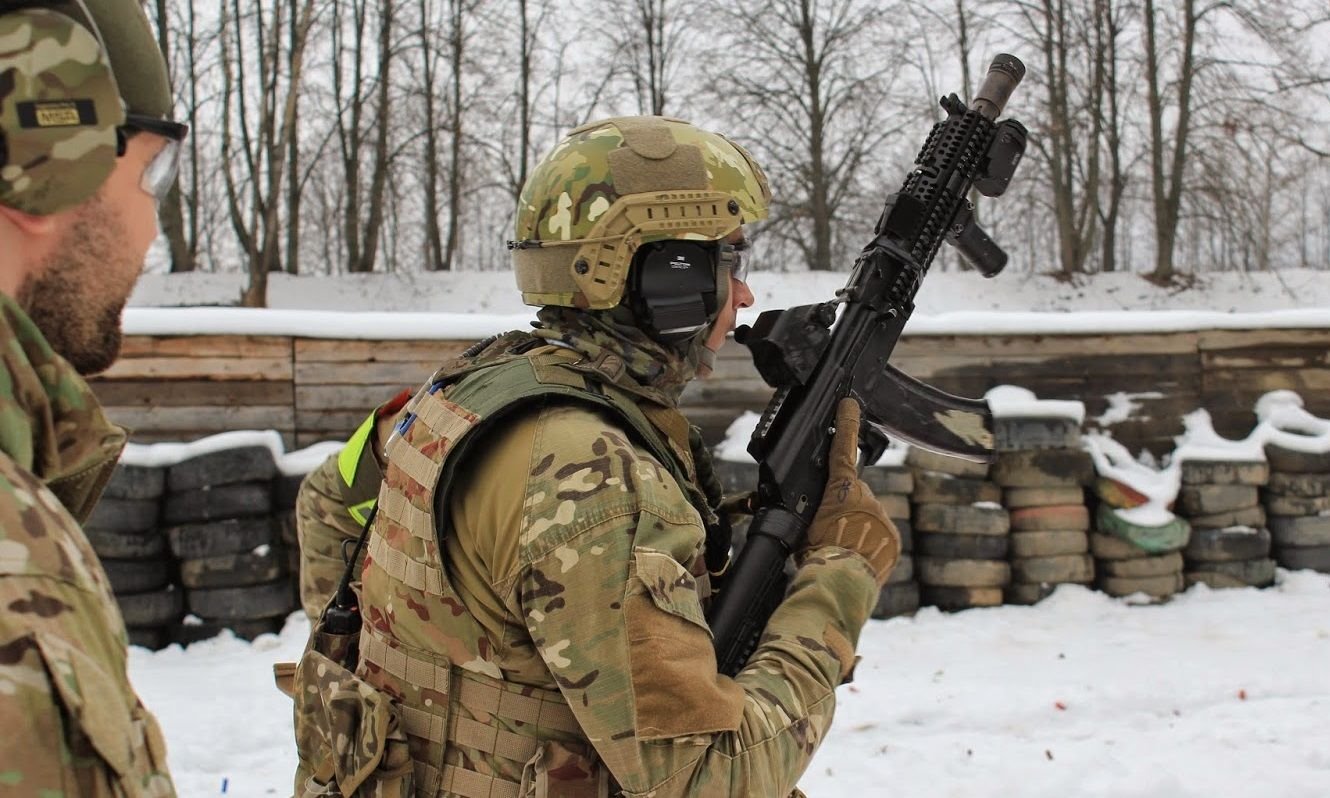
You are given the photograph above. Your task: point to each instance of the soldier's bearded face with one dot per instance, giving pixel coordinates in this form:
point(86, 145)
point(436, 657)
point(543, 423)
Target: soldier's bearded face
point(75, 299)
point(76, 296)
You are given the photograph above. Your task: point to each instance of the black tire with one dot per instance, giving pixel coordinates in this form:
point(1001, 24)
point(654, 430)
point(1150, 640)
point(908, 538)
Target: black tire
point(1144, 567)
point(135, 482)
point(244, 603)
point(963, 547)
point(185, 634)
point(906, 530)
point(1308, 486)
point(244, 500)
point(883, 480)
point(1111, 547)
point(1026, 595)
point(1049, 468)
point(123, 515)
point(285, 489)
point(1296, 505)
point(1249, 516)
point(216, 538)
point(1254, 573)
point(1051, 432)
point(1078, 568)
point(127, 545)
point(1315, 558)
point(937, 572)
point(1018, 498)
point(955, 599)
point(1300, 531)
point(1156, 587)
point(225, 467)
point(151, 638)
point(735, 476)
point(1048, 543)
point(961, 520)
point(1224, 472)
point(1214, 499)
point(1050, 519)
point(934, 487)
point(925, 460)
point(895, 505)
point(138, 576)
point(897, 600)
point(1227, 545)
point(1293, 461)
point(903, 571)
point(234, 570)
point(158, 608)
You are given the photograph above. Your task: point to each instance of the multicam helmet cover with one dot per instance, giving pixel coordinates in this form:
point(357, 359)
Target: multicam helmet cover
point(613, 185)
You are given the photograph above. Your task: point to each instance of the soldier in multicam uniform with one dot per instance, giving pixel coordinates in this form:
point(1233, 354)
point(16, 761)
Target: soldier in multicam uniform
point(84, 159)
point(536, 565)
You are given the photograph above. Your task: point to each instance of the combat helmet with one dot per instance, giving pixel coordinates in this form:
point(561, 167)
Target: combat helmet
point(618, 195)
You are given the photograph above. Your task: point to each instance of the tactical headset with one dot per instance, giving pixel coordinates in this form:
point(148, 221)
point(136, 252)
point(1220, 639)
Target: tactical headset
point(55, 105)
point(677, 287)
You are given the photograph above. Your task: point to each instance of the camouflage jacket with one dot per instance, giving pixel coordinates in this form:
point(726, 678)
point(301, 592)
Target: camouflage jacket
point(72, 723)
point(577, 556)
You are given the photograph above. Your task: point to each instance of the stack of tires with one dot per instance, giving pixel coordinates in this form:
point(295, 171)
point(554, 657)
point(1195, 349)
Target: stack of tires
point(1137, 548)
point(892, 485)
point(124, 532)
point(1043, 473)
point(960, 533)
point(233, 566)
point(1229, 544)
point(1297, 499)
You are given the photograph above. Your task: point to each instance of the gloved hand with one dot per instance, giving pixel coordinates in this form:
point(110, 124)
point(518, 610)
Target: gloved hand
point(850, 516)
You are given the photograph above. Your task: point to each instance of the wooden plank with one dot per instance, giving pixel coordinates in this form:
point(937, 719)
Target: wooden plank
point(337, 423)
point(210, 368)
point(1241, 339)
point(184, 393)
point(241, 346)
point(996, 346)
point(1266, 357)
point(414, 372)
point(1254, 382)
point(327, 351)
point(361, 398)
point(202, 420)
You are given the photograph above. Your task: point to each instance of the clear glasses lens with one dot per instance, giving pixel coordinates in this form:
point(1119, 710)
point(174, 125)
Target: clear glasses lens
point(739, 267)
point(160, 175)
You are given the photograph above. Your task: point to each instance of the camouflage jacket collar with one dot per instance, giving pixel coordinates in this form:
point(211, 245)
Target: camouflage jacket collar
point(50, 422)
point(652, 370)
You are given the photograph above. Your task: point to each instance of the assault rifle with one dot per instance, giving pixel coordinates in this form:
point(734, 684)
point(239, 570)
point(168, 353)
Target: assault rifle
point(813, 359)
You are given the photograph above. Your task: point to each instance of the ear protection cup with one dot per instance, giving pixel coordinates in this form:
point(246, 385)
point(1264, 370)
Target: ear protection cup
point(673, 288)
point(60, 109)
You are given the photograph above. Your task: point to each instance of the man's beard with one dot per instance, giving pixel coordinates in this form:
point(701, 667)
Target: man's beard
point(77, 296)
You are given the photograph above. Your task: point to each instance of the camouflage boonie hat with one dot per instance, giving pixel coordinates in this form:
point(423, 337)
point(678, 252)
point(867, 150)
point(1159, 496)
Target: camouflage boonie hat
point(59, 111)
point(613, 185)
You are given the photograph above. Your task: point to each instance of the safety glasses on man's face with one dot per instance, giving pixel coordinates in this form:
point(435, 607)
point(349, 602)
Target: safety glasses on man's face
point(159, 176)
point(739, 261)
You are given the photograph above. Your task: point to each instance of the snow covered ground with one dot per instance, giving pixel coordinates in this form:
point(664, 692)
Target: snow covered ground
point(1215, 694)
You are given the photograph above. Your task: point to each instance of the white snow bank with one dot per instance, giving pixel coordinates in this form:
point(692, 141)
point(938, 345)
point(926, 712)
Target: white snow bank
point(164, 455)
point(1215, 694)
point(1122, 406)
point(1284, 422)
point(1160, 487)
point(1010, 401)
point(734, 448)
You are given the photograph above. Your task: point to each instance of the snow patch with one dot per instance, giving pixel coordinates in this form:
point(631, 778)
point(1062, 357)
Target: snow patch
point(1122, 406)
point(1011, 401)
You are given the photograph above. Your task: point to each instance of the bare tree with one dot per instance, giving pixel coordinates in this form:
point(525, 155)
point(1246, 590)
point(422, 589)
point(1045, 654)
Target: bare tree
point(811, 77)
point(258, 110)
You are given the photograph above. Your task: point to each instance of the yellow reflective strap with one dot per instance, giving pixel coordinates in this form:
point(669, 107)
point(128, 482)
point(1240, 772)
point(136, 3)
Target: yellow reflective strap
point(360, 512)
point(354, 448)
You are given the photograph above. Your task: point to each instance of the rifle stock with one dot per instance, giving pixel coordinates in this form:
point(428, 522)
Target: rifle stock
point(813, 359)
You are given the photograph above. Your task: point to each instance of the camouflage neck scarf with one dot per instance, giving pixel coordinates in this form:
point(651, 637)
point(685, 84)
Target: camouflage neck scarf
point(653, 370)
point(50, 422)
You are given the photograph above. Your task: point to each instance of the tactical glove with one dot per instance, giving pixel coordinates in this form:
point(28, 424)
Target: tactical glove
point(850, 517)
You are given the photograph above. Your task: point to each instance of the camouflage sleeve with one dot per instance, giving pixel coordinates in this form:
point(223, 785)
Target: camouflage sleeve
point(613, 606)
point(323, 525)
point(72, 723)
